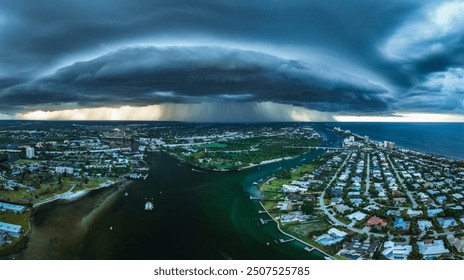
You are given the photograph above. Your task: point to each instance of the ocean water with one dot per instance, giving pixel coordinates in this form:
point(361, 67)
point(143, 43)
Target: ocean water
point(445, 139)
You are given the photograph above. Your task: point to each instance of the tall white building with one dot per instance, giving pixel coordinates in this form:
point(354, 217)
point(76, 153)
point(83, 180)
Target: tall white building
point(30, 152)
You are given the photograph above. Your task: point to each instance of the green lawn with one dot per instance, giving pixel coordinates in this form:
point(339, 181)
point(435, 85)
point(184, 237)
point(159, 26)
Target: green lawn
point(22, 220)
point(27, 161)
point(211, 146)
point(307, 228)
point(45, 191)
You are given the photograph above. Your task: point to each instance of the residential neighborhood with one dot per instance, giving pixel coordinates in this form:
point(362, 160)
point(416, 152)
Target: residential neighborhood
point(376, 201)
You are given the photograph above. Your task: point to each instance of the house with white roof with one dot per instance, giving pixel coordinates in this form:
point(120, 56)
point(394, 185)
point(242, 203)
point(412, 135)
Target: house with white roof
point(342, 208)
point(414, 213)
point(10, 229)
point(293, 189)
point(394, 251)
point(424, 225)
point(358, 216)
point(447, 222)
point(458, 243)
point(433, 212)
point(431, 249)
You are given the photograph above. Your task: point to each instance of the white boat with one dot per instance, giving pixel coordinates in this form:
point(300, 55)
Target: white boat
point(126, 194)
point(149, 206)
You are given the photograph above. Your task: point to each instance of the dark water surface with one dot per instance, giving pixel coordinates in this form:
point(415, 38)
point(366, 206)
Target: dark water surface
point(197, 215)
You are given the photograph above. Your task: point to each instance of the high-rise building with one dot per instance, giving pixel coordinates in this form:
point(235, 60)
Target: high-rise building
point(30, 152)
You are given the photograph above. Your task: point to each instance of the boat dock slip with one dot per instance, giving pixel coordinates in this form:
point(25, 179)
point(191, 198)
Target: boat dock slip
point(265, 221)
point(283, 241)
point(309, 249)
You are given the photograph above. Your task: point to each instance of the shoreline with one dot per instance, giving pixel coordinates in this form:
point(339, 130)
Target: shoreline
point(294, 237)
point(23, 241)
point(72, 196)
point(264, 162)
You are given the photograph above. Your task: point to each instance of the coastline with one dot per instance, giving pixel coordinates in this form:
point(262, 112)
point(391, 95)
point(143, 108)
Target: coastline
point(264, 162)
point(23, 242)
point(294, 237)
point(72, 196)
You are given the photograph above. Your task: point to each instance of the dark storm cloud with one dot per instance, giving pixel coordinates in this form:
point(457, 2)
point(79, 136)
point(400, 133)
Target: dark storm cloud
point(399, 45)
point(149, 75)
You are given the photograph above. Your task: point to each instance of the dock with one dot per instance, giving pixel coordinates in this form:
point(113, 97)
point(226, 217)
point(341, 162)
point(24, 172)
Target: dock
point(265, 221)
point(283, 241)
point(309, 249)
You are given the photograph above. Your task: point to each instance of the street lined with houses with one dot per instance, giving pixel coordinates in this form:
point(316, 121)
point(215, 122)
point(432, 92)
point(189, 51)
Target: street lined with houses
point(378, 201)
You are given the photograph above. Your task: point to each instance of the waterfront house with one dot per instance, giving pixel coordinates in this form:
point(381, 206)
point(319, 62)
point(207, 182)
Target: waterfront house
point(431, 248)
point(10, 229)
point(294, 217)
point(14, 208)
point(293, 189)
point(333, 236)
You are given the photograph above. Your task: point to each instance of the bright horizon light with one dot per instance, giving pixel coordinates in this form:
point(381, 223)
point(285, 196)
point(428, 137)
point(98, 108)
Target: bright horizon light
point(406, 117)
point(164, 112)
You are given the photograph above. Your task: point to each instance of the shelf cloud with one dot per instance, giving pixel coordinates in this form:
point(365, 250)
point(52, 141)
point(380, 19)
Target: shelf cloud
point(331, 57)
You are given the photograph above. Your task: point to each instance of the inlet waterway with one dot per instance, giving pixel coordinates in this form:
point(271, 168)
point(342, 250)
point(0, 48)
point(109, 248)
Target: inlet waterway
point(197, 215)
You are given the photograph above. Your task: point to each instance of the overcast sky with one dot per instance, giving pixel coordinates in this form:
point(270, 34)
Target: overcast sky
point(231, 60)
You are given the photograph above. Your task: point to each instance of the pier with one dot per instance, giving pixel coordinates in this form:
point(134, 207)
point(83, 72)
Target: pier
point(283, 241)
point(263, 221)
point(309, 249)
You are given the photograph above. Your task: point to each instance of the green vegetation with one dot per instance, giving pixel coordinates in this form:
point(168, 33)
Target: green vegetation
point(241, 153)
point(47, 190)
point(271, 189)
point(15, 243)
point(210, 146)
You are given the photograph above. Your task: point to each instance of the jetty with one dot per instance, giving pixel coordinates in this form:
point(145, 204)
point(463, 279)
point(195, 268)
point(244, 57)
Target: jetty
point(263, 222)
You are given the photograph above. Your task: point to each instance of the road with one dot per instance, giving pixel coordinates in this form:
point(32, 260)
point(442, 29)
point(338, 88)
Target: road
point(368, 176)
point(56, 197)
point(331, 217)
point(408, 192)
